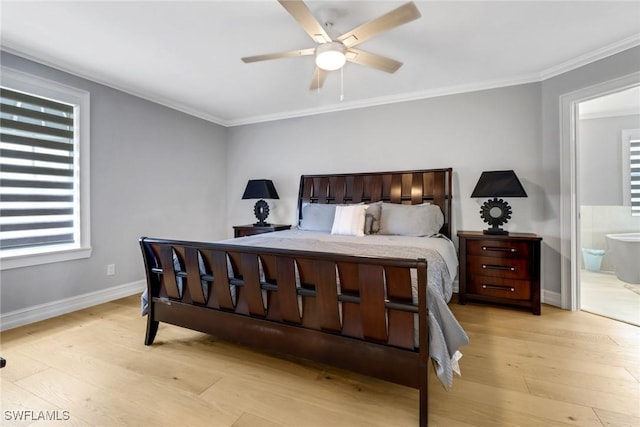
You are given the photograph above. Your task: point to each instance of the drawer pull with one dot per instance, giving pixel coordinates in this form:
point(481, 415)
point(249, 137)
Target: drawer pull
point(499, 288)
point(499, 267)
point(498, 249)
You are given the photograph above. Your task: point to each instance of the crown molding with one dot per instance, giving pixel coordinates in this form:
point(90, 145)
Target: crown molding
point(591, 57)
point(393, 99)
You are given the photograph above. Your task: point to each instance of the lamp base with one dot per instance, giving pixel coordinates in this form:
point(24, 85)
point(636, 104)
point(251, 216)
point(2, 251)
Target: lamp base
point(261, 210)
point(495, 231)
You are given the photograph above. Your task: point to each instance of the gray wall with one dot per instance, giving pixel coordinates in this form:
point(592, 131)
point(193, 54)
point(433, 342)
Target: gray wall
point(485, 130)
point(600, 147)
point(154, 172)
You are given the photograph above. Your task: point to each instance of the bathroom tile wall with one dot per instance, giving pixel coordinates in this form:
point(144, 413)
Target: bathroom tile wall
point(598, 221)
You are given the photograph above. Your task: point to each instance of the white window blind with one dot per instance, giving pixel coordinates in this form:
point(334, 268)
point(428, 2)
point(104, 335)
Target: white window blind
point(38, 184)
point(634, 169)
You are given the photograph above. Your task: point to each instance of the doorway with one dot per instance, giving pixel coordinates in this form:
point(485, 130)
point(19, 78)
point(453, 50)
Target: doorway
point(606, 127)
point(570, 243)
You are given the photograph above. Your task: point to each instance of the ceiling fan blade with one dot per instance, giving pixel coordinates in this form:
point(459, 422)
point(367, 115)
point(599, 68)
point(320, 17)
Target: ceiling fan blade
point(402, 15)
point(319, 76)
point(372, 60)
point(307, 21)
point(301, 52)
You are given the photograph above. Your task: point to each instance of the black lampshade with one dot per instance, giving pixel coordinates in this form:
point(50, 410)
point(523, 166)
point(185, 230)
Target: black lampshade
point(260, 189)
point(498, 184)
point(496, 212)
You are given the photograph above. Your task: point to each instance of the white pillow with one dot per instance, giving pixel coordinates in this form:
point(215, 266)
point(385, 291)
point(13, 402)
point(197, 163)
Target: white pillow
point(349, 220)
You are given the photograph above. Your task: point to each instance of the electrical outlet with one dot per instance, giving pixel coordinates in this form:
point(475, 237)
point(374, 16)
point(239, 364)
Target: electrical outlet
point(111, 269)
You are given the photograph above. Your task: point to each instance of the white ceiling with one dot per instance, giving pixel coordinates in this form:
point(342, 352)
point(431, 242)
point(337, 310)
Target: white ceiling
point(187, 54)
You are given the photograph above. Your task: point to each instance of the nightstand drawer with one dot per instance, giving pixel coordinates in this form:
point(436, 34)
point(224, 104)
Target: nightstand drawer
point(497, 287)
point(498, 248)
point(508, 268)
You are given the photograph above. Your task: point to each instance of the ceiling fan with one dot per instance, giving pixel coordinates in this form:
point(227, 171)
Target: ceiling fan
point(331, 54)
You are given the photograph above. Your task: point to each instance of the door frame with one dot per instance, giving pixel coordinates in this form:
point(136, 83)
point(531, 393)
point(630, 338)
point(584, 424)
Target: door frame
point(569, 179)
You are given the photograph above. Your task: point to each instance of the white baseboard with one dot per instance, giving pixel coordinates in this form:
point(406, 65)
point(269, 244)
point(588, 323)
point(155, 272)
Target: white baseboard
point(36, 313)
point(551, 298)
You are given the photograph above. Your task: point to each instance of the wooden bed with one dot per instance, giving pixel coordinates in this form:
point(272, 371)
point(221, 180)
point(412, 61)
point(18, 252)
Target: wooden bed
point(287, 301)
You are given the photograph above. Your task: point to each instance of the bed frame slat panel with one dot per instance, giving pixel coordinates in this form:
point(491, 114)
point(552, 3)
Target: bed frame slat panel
point(194, 284)
point(321, 189)
point(307, 190)
point(327, 296)
point(336, 187)
point(396, 188)
point(221, 291)
point(252, 290)
point(398, 284)
point(372, 304)
point(269, 270)
point(351, 320)
point(376, 188)
point(400, 327)
point(180, 253)
point(407, 184)
point(169, 277)
point(287, 295)
point(400, 322)
point(417, 189)
point(351, 317)
point(358, 189)
point(439, 189)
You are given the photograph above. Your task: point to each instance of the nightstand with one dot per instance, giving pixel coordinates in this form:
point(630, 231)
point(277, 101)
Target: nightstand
point(250, 229)
point(500, 269)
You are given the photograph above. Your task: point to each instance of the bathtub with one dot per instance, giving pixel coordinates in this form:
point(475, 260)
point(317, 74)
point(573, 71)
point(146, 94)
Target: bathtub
point(624, 250)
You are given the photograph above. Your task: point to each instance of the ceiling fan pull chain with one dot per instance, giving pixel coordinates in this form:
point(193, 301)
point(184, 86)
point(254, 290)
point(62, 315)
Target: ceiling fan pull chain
point(341, 84)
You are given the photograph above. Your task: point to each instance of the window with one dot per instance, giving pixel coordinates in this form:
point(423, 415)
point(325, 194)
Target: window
point(44, 179)
point(631, 169)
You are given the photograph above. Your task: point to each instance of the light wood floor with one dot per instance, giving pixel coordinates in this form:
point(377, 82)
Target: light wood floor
point(91, 366)
point(602, 293)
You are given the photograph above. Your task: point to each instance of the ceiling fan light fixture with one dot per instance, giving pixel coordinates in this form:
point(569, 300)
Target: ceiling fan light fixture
point(330, 56)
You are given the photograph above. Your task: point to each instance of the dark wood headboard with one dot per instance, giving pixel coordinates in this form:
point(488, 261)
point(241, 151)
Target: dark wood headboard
point(407, 187)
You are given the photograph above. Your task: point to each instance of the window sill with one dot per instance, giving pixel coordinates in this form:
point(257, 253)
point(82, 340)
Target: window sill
point(20, 260)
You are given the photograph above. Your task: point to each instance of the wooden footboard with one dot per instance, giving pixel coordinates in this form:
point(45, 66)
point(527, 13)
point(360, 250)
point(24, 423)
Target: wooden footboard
point(354, 313)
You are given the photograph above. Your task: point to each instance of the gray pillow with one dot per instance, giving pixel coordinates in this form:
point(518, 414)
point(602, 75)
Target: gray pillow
point(372, 218)
point(410, 220)
point(317, 217)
